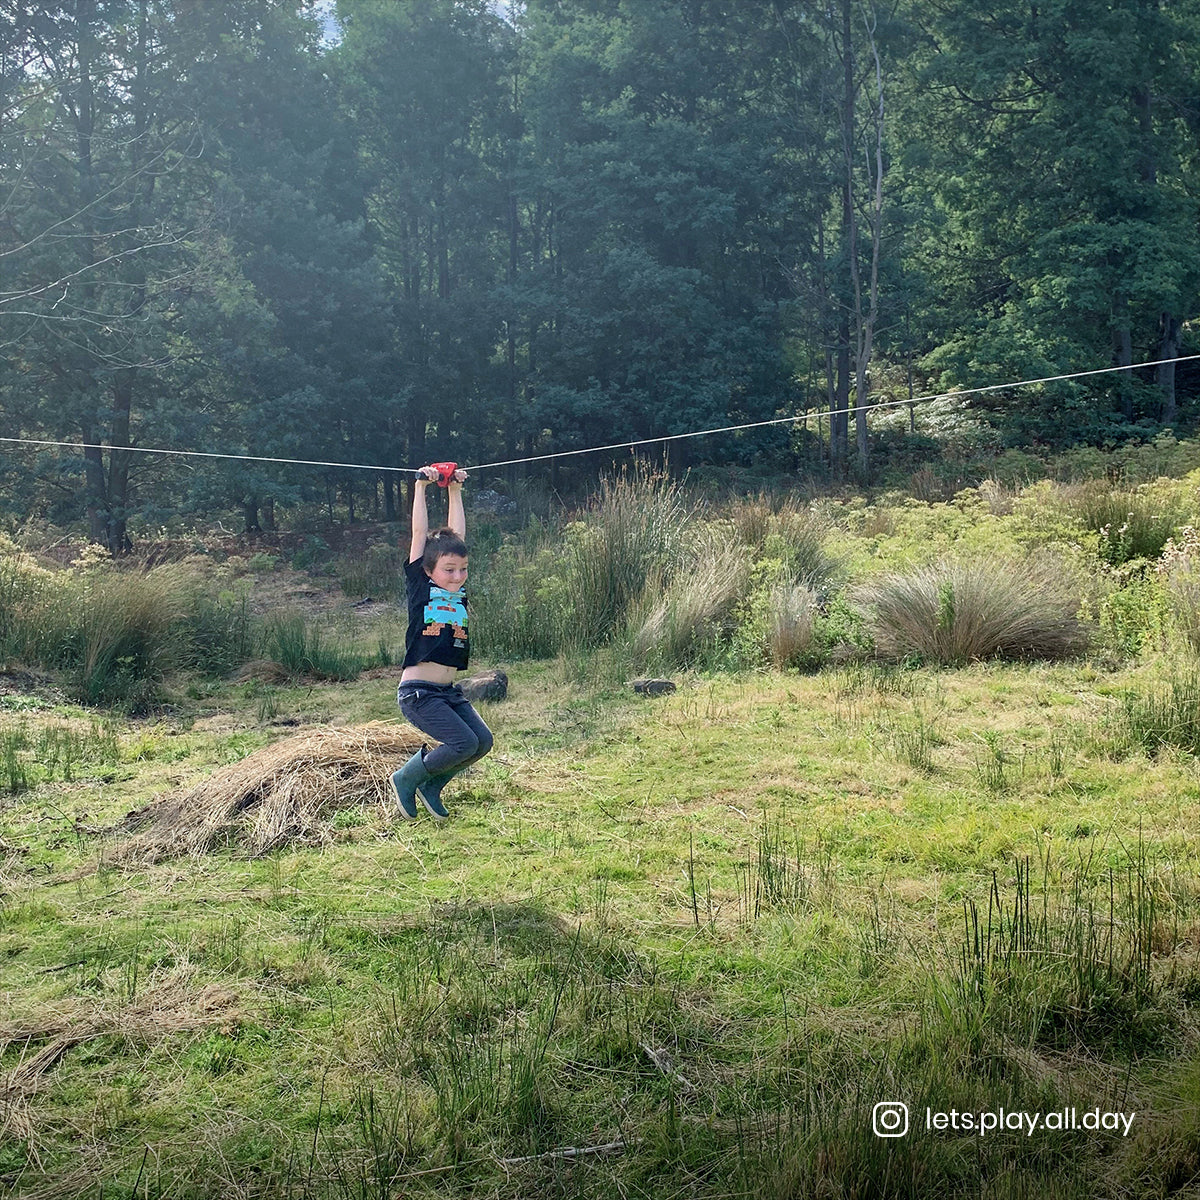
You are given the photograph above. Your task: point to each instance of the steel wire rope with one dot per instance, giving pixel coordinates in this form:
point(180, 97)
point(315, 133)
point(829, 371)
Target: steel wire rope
point(624, 445)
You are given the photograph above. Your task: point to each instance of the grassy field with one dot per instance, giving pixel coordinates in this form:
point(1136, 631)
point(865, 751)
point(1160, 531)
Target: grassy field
point(669, 947)
point(873, 905)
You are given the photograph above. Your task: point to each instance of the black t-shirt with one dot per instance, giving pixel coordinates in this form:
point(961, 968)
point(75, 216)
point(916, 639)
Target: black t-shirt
point(437, 622)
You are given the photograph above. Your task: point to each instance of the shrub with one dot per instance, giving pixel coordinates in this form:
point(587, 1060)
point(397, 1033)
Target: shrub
point(954, 612)
point(1134, 615)
point(518, 599)
point(378, 572)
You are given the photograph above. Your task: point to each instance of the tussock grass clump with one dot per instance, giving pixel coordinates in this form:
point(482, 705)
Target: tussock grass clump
point(795, 535)
point(675, 620)
point(23, 583)
point(286, 792)
point(117, 633)
point(957, 612)
point(791, 626)
point(634, 529)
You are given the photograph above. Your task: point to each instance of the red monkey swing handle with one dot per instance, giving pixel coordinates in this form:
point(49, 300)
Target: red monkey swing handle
point(445, 472)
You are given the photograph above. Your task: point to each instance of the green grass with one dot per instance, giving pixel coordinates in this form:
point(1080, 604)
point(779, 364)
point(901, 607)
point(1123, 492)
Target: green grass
point(697, 937)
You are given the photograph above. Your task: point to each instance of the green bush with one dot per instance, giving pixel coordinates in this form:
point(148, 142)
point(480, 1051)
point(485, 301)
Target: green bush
point(23, 585)
point(1134, 616)
point(1178, 572)
point(550, 592)
point(518, 598)
point(378, 572)
point(956, 612)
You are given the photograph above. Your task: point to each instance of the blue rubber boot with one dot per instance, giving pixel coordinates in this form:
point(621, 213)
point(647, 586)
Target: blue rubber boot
point(405, 783)
point(430, 792)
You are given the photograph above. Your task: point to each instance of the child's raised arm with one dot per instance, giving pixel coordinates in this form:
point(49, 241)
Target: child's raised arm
point(456, 518)
point(420, 513)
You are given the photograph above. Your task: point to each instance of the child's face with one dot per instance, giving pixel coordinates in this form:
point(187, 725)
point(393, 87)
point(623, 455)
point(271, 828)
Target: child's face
point(450, 572)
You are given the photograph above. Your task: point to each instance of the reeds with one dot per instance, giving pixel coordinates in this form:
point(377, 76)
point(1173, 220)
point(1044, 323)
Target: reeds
point(1160, 718)
point(1066, 961)
point(303, 649)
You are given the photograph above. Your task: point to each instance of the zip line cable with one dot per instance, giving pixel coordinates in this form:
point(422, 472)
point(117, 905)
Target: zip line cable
point(626, 445)
point(834, 412)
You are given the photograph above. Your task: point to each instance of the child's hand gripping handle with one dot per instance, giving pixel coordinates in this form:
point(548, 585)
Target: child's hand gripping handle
point(445, 472)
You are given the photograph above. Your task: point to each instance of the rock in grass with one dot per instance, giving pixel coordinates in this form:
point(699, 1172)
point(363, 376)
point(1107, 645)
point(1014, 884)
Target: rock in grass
point(653, 687)
point(487, 685)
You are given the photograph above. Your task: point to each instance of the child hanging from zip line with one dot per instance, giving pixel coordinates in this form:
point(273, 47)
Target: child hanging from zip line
point(436, 649)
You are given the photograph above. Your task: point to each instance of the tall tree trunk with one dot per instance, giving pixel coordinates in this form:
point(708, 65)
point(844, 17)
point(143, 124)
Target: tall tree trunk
point(250, 523)
point(95, 487)
point(1123, 354)
point(866, 320)
point(839, 417)
point(1170, 329)
point(118, 464)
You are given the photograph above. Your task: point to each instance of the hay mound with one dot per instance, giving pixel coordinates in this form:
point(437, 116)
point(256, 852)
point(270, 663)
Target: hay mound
point(285, 792)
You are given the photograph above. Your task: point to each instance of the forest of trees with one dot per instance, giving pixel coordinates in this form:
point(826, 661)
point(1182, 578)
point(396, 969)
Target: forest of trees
point(390, 231)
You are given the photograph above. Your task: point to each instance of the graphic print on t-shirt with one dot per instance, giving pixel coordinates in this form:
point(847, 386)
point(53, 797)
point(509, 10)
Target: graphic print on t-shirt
point(445, 608)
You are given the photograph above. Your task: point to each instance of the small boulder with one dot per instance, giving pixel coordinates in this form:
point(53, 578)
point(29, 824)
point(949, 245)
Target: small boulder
point(653, 687)
point(487, 685)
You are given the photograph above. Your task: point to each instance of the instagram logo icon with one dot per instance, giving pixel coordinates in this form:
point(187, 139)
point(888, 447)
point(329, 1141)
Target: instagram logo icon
point(889, 1118)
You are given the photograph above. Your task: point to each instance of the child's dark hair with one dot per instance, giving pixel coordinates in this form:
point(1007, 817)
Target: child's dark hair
point(439, 542)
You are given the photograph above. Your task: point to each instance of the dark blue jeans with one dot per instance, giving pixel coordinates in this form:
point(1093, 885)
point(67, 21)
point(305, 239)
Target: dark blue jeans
point(443, 712)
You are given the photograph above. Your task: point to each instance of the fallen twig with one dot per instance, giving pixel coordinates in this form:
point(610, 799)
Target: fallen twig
point(662, 1060)
point(567, 1152)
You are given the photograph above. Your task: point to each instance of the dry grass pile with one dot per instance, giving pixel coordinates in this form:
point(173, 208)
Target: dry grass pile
point(284, 793)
